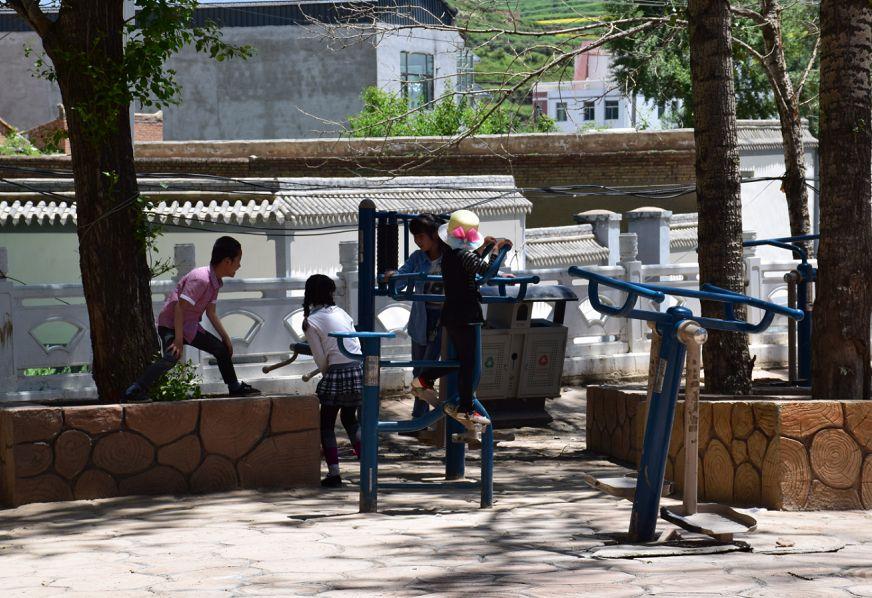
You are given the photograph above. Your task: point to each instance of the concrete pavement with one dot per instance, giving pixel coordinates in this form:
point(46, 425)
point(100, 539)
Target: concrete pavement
point(540, 539)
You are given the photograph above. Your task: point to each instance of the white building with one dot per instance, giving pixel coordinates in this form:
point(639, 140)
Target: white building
point(593, 100)
point(304, 80)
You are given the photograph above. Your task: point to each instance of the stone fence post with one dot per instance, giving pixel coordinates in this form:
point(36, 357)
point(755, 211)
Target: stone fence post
point(753, 274)
point(651, 225)
point(634, 330)
point(8, 378)
point(349, 277)
point(606, 229)
point(184, 258)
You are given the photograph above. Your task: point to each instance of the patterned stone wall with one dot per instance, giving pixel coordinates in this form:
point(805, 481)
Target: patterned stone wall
point(776, 452)
point(207, 445)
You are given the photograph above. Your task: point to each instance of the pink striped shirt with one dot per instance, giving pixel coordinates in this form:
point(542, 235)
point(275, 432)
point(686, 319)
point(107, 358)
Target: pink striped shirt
point(198, 288)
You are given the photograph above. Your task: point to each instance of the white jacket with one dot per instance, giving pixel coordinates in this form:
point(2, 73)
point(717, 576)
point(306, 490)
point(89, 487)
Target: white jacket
point(325, 349)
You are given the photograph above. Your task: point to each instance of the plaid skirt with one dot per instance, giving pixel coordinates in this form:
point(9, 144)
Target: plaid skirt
point(342, 385)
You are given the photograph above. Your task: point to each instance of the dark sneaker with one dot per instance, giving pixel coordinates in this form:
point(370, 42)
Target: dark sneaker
point(332, 481)
point(135, 394)
point(244, 390)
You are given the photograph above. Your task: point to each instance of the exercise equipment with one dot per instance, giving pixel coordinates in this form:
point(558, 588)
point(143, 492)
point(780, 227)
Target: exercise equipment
point(378, 238)
point(800, 295)
point(676, 327)
point(297, 349)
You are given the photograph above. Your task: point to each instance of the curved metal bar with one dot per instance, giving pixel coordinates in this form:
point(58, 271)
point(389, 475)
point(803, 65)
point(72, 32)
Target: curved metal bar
point(411, 425)
point(494, 268)
point(344, 335)
point(708, 293)
point(731, 297)
point(789, 243)
point(796, 239)
point(421, 363)
point(363, 334)
point(644, 290)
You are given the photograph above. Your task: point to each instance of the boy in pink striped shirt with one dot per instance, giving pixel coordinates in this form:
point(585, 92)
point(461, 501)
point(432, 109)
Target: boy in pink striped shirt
point(178, 323)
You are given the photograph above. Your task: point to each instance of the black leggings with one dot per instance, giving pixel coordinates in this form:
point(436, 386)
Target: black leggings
point(204, 341)
point(463, 338)
point(348, 416)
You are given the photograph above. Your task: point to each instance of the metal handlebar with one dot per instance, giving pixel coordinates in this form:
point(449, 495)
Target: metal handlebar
point(490, 278)
point(357, 356)
point(789, 243)
point(633, 291)
point(298, 349)
point(657, 294)
point(494, 268)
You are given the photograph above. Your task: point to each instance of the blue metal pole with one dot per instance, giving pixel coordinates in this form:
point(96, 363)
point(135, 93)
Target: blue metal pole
point(369, 426)
point(658, 429)
point(455, 452)
point(366, 266)
point(487, 464)
point(371, 349)
point(803, 328)
point(487, 435)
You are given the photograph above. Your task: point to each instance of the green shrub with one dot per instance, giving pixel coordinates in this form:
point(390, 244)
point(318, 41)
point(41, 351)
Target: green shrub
point(179, 384)
point(54, 371)
point(387, 114)
point(15, 144)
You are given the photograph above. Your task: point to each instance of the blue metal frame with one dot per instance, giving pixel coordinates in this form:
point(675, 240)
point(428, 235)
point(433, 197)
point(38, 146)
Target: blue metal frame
point(370, 340)
point(807, 275)
point(670, 365)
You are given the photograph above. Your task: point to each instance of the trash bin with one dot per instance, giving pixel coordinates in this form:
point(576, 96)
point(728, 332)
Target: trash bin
point(522, 357)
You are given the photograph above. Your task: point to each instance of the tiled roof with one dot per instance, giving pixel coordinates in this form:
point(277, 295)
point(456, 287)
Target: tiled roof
point(766, 134)
point(683, 232)
point(559, 246)
point(282, 202)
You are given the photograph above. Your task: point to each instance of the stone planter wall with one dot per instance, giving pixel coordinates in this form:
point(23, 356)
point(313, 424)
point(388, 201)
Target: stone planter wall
point(775, 452)
point(207, 445)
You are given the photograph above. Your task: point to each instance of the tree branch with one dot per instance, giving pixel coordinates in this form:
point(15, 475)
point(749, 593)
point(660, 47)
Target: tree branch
point(773, 80)
point(747, 13)
point(30, 11)
point(797, 93)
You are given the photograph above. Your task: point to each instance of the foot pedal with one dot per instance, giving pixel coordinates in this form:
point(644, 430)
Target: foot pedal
point(623, 487)
point(717, 521)
point(470, 437)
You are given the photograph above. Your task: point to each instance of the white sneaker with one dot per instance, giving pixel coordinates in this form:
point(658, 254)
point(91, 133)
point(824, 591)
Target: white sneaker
point(424, 392)
point(470, 420)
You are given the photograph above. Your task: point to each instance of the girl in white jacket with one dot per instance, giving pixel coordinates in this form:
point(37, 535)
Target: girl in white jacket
point(341, 385)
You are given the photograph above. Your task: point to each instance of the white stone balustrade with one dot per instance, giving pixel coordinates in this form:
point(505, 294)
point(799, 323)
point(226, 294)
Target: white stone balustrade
point(46, 326)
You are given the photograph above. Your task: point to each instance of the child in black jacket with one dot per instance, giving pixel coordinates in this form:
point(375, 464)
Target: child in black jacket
point(461, 261)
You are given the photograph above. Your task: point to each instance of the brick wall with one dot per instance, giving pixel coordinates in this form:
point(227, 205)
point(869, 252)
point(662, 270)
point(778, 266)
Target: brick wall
point(536, 160)
point(50, 136)
point(148, 127)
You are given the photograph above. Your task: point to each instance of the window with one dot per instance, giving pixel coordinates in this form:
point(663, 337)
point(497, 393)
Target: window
point(589, 111)
point(561, 111)
point(465, 71)
point(416, 78)
point(611, 109)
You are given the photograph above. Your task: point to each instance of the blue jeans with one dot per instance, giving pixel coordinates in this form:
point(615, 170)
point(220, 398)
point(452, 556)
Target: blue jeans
point(429, 352)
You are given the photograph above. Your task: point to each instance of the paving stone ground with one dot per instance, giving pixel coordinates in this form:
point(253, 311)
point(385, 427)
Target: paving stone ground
point(538, 540)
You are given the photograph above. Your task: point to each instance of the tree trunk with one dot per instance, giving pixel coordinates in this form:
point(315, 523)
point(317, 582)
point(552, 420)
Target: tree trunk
point(840, 369)
point(788, 113)
point(727, 362)
point(114, 268)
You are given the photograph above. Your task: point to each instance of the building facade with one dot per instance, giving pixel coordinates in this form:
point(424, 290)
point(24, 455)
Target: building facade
point(305, 78)
point(593, 100)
